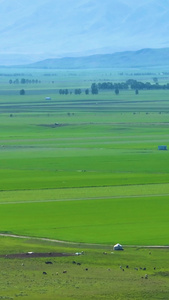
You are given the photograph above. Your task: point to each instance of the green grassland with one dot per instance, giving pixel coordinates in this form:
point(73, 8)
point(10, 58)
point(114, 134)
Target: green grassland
point(138, 220)
point(98, 276)
point(83, 169)
point(101, 150)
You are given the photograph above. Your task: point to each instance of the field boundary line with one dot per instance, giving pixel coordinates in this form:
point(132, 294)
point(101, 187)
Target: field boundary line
point(85, 198)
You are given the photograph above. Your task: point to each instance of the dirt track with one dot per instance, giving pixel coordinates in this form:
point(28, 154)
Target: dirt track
point(35, 255)
point(77, 245)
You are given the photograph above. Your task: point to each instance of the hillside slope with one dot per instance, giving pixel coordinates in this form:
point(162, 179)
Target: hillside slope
point(141, 58)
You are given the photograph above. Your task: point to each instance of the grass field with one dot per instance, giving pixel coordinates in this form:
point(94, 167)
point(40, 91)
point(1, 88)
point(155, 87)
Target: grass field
point(94, 275)
point(84, 169)
point(134, 220)
point(66, 149)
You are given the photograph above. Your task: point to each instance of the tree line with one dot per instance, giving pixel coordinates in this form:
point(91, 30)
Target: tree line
point(24, 81)
point(95, 87)
point(129, 84)
point(76, 91)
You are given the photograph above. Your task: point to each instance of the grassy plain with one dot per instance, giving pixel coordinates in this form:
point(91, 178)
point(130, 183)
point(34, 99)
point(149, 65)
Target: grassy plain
point(101, 150)
point(84, 169)
point(137, 220)
point(98, 276)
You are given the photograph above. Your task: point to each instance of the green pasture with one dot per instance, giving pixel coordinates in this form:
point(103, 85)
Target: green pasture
point(101, 150)
point(131, 220)
point(72, 77)
point(98, 276)
point(84, 170)
point(23, 196)
point(36, 154)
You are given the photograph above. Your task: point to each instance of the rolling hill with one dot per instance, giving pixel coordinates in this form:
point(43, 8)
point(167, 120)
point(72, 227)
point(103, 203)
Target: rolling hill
point(141, 58)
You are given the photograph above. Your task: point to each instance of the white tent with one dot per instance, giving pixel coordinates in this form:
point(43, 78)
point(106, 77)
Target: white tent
point(118, 247)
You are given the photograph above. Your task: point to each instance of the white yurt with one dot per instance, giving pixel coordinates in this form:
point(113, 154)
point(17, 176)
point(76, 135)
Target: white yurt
point(118, 247)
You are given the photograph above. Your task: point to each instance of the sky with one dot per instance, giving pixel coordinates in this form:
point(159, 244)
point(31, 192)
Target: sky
point(37, 29)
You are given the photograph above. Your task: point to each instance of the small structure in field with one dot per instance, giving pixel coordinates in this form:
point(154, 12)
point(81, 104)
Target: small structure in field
point(118, 247)
point(48, 98)
point(162, 147)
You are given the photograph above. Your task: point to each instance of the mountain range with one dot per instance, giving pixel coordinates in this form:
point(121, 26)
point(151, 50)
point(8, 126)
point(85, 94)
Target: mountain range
point(128, 59)
point(41, 29)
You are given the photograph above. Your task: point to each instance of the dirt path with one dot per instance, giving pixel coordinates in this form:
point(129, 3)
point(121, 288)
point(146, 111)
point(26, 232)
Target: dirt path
point(81, 244)
point(39, 254)
point(34, 238)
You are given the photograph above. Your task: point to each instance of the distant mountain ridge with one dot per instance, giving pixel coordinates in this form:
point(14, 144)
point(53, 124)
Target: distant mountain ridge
point(141, 58)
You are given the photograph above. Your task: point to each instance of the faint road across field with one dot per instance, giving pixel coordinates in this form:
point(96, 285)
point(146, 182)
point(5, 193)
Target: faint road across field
point(81, 245)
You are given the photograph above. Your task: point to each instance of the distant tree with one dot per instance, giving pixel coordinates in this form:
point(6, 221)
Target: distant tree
point(155, 79)
point(10, 81)
point(136, 92)
point(94, 89)
point(78, 91)
point(16, 81)
point(116, 91)
point(22, 92)
point(63, 92)
point(87, 91)
point(23, 80)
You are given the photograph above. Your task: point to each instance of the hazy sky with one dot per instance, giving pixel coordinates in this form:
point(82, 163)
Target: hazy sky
point(54, 28)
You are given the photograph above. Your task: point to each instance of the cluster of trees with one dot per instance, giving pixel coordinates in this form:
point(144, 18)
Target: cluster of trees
point(134, 84)
point(112, 86)
point(129, 84)
point(79, 91)
point(94, 89)
point(139, 74)
point(13, 74)
point(24, 81)
point(106, 85)
point(76, 91)
point(50, 74)
point(63, 92)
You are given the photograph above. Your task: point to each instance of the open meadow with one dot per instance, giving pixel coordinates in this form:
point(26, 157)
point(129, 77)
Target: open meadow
point(83, 169)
